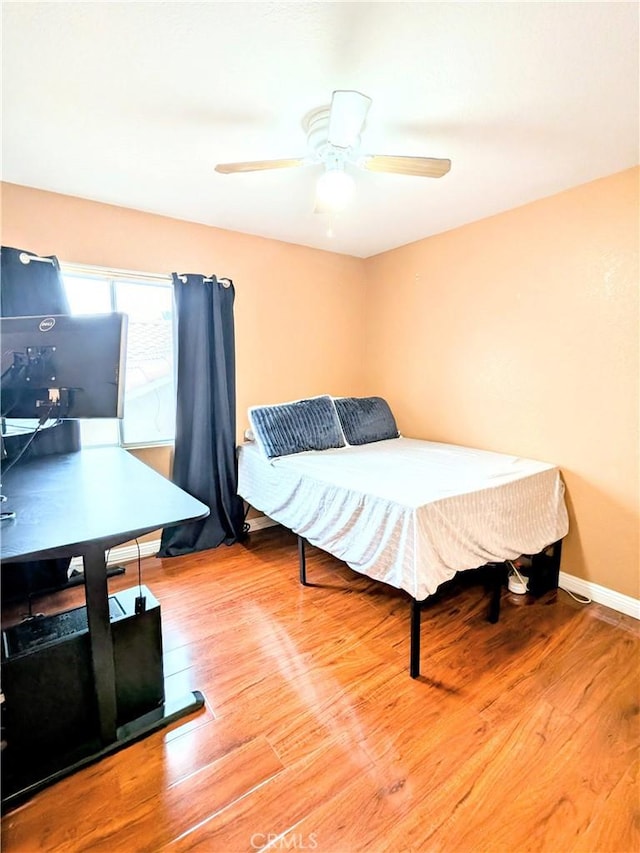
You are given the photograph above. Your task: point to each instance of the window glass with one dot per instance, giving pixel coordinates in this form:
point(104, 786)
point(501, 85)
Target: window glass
point(149, 400)
point(149, 389)
point(88, 295)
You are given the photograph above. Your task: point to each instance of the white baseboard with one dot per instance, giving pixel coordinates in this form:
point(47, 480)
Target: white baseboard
point(129, 553)
point(123, 554)
point(601, 595)
point(260, 523)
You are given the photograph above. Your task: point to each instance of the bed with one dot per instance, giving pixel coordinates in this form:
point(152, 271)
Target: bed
point(406, 512)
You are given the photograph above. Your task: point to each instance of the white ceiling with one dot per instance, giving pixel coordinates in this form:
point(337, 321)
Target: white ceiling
point(134, 103)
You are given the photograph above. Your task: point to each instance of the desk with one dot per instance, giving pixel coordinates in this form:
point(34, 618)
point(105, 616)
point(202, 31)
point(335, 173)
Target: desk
point(82, 504)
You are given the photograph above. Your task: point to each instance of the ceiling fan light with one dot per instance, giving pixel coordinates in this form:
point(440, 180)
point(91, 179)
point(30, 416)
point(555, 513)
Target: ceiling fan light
point(335, 189)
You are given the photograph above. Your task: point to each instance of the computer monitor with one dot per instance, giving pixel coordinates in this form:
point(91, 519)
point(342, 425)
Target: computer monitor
point(62, 366)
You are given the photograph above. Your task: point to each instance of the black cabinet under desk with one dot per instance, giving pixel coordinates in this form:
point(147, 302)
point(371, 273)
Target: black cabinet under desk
point(82, 683)
point(49, 714)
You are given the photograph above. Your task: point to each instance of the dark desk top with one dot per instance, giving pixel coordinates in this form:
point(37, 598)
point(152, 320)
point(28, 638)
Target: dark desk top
point(66, 502)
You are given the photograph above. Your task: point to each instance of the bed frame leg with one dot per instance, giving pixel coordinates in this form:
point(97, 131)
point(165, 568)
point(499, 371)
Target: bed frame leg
point(302, 559)
point(555, 561)
point(414, 664)
point(496, 592)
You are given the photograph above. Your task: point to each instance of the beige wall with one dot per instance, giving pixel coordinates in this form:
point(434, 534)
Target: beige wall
point(519, 333)
point(298, 311)
point(290, 301)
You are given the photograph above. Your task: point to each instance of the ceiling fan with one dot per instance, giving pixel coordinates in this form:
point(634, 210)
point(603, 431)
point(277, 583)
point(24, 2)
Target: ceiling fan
point(333, 137)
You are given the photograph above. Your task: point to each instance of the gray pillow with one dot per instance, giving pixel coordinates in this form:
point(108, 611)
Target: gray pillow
point(366, 419)
point(288, 428)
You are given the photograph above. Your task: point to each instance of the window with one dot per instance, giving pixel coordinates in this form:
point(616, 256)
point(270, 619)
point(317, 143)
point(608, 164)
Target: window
point(149, 397)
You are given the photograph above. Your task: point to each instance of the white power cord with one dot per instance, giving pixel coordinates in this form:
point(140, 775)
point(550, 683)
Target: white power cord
point(521, 586)
point(581, 599)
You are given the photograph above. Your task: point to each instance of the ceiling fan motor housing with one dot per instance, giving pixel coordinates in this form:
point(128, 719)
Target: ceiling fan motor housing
point(316, 127)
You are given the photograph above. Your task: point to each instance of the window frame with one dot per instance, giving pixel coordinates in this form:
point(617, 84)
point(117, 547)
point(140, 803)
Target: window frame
point(112, 277)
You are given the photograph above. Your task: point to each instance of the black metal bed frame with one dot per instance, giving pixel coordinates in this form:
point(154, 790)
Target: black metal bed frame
point(543, 584)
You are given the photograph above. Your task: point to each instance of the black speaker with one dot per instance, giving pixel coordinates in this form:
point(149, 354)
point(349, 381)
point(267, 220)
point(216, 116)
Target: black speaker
point(49, 704)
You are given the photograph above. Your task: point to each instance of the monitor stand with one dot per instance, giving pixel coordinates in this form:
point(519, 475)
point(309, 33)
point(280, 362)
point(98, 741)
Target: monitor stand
point(5, 515)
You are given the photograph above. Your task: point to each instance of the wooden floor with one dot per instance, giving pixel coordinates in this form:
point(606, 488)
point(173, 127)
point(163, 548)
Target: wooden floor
point(521, 736)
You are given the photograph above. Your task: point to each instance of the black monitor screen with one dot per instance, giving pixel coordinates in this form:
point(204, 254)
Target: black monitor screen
point(63, 366)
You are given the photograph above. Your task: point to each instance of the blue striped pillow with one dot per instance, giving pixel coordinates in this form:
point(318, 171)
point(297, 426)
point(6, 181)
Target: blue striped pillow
point(288, 428)
point(366, 419)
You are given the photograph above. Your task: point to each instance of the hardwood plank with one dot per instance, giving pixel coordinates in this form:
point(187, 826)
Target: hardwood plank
point(318, 709)
point(472, 816)
point(413, 759)
point(192, 800)
point(615, 822)
point(552, 796)
point(520, 735)
point(122, 787)
point(272, 808)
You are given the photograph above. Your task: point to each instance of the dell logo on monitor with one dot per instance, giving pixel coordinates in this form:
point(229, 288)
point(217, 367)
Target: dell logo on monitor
point(47, 324)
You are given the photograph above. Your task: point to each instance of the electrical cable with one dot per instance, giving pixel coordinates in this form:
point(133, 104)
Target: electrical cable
point(139, 569)
point(8, 411)
point(41, 423)
point(141, 600)
point(581, 599)
point(523, 581)
point(519, 586)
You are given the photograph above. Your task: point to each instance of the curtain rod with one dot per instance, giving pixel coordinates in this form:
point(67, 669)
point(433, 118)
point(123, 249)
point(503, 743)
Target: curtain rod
point(26, 259)
point(225, 282)
point(83, 269)
point(89, 270)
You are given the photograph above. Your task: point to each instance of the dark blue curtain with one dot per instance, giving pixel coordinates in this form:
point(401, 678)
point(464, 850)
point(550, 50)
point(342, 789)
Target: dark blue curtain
point(30, 289)
point(205, 458)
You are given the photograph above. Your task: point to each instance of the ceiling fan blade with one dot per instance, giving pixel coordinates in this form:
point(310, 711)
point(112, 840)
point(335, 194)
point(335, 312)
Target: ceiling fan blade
point(424, 167)
point(346, 118)
point(258, 165)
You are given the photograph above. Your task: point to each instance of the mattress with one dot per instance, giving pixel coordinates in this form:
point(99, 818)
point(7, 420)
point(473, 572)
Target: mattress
point(407, 512)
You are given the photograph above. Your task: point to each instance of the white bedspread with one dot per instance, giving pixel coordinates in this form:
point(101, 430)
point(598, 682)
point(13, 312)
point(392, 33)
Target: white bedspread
point(406, 512)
